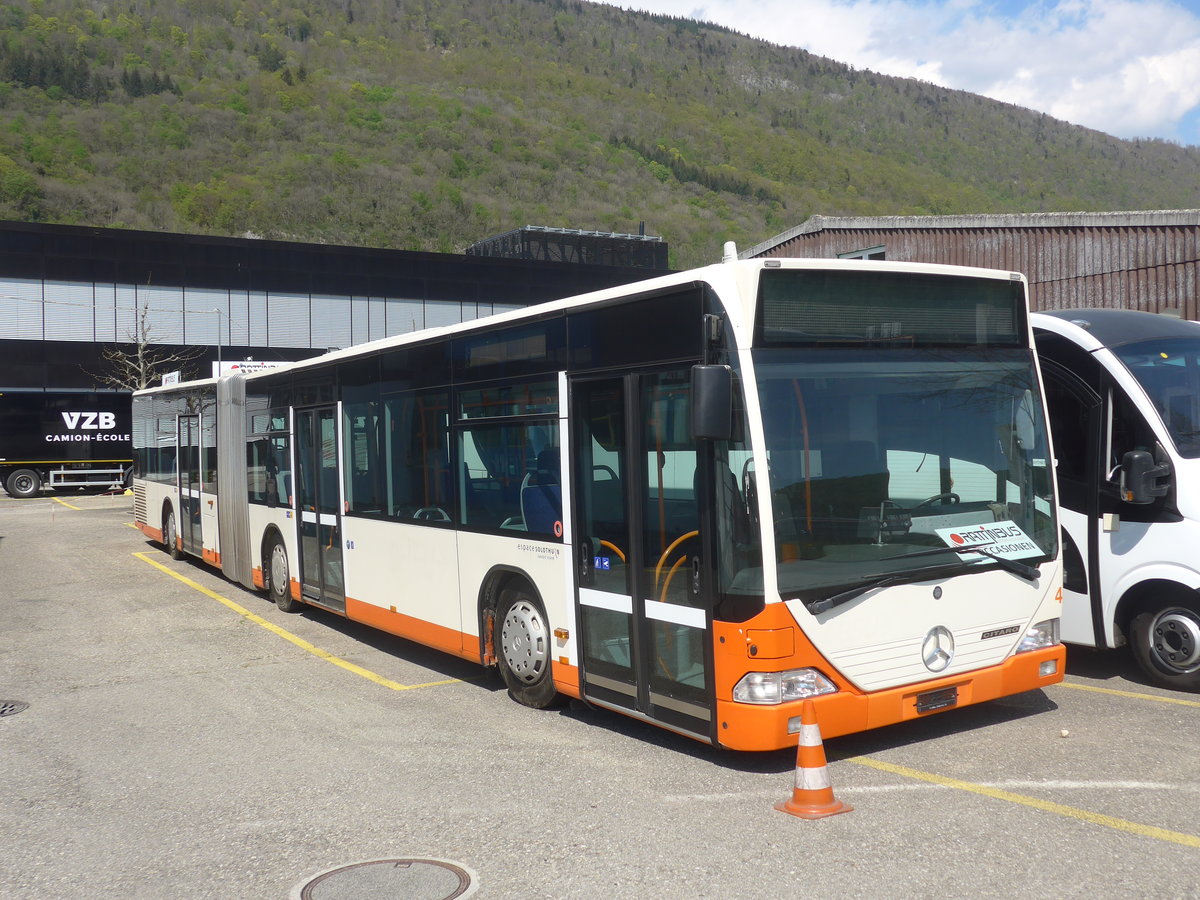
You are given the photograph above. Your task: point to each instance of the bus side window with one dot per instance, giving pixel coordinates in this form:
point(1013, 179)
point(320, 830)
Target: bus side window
point(363, 464)
point(508, 470)
point(1130, 431)
point(269, 480)
point(416, 449)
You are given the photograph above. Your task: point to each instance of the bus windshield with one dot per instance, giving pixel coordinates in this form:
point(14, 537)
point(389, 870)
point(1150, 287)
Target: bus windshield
point(879, 460)
point(1169, 372)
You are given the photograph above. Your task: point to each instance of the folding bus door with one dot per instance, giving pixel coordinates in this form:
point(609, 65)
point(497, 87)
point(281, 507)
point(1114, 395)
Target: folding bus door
point(189, 484)
point(645, 627)
point(318, 489)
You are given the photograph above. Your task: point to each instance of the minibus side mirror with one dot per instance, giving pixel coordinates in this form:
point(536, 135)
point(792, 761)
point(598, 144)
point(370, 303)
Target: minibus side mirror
point(712, 403)
point(1142, 480)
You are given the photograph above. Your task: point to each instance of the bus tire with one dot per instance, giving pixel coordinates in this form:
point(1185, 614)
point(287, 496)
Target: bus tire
point(23, 483)
point(523, 649)
point(171, 534)
point(1165, 639)
point(279, 578)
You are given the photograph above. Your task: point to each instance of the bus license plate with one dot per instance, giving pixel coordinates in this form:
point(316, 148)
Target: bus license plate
point(943, 698)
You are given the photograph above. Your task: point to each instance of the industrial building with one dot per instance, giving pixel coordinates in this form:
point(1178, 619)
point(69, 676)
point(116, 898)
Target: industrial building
point(67, 292)
point(535, 242)
point(1119, 260)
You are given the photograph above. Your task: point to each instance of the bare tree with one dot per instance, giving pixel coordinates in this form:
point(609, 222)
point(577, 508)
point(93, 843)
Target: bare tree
point(138, 364)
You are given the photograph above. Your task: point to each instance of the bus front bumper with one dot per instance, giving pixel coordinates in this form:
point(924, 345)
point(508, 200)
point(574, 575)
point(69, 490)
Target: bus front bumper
point(744, 726)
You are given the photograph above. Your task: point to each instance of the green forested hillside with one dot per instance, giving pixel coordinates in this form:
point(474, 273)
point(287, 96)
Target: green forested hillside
point(429, 125)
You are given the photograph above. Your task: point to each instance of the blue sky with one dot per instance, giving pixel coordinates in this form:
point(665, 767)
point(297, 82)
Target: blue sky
point(1130, 68)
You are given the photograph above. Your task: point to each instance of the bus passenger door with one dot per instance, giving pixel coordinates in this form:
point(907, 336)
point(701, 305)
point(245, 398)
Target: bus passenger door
point(190, 531)
point(645, 630)
point(318, 481)
point(1075, 411)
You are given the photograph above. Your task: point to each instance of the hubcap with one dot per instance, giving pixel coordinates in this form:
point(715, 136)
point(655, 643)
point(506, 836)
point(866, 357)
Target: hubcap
point(1175, 639)
point(523, 641)
point(171, 530)
point(23, 484)
point(279, 572)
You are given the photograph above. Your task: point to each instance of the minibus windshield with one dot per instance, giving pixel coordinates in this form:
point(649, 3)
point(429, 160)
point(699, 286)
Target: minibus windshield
point(1169, 372)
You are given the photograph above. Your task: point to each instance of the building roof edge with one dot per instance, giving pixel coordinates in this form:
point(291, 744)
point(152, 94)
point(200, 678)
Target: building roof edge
point(1120, 219)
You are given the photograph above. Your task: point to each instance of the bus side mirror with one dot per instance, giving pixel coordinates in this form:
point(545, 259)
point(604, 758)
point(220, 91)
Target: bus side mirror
point(1140, 477)
point(712, 403)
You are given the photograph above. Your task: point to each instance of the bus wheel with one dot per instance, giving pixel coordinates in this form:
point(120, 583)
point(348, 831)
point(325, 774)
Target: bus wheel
point(279, 579)
point(171, 535)
point(24, 483)
point(1166, 643)
point(523, 649)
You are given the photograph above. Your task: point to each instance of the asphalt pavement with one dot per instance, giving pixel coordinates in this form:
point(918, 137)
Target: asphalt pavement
point(185, 739)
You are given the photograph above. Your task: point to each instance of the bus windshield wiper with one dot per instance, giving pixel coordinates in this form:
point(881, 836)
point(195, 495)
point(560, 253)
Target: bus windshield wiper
point(1023, 570)
point(871, 582)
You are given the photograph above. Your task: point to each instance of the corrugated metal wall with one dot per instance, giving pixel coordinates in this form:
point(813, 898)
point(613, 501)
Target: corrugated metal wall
point(1146, 267)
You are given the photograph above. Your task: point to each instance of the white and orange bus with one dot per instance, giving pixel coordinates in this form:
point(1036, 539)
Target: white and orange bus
point(697, 500)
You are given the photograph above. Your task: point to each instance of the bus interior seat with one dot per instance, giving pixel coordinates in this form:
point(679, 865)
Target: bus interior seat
point(735, 504)
point(728, 501)
point(541, 495)
point(483, 500)
point(787, 468)
point(436, 478)
point(608, 500)
point(854, 477)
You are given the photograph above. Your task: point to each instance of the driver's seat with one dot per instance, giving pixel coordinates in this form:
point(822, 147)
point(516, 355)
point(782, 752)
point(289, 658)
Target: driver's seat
point(854, 477)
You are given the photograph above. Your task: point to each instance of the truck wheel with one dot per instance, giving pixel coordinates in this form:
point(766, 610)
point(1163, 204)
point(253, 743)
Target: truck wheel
point(1166, 643)
point(523, 649)
point(24, 483)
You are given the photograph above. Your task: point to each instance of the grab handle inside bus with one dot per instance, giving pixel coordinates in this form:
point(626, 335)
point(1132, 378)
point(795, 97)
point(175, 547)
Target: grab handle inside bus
point(712, 403)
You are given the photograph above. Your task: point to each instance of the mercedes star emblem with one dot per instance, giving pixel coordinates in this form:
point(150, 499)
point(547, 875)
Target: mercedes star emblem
point(938, 648)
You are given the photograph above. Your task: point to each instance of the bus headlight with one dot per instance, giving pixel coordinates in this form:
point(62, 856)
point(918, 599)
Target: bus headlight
point(1039, 636)
point(770, 688)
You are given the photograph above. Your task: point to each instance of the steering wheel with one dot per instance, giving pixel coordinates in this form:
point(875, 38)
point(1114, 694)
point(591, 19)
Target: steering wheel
point(948, 497)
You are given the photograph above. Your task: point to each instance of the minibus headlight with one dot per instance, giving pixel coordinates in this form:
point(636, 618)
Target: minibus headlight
point(770, 688)
point(1039, 636)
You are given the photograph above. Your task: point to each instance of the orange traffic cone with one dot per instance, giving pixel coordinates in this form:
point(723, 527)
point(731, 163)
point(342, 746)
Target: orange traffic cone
point(812, 797)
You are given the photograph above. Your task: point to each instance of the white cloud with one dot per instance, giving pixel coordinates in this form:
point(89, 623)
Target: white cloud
point(1126, 67)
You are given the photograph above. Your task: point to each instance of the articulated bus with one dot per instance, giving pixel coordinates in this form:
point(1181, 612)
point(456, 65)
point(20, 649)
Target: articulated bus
point(698, 500)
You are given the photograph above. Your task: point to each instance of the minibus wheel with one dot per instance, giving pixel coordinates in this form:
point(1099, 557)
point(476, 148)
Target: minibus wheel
point(1166, 643)
point(279, 580)
point(523, 648)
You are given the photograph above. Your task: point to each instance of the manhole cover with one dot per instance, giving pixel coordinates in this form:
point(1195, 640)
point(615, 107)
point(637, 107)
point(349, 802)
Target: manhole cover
point(391, 879)
point(12, 707)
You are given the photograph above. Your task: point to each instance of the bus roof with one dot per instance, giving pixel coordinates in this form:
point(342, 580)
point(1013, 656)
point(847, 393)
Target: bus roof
point(727, 272)
point(1116, 327)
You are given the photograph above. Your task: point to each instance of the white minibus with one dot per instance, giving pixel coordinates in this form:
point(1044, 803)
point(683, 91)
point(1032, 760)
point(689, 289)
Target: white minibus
point(1123, 391)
